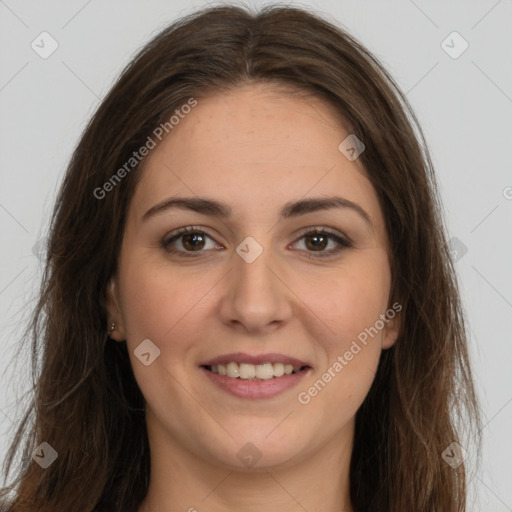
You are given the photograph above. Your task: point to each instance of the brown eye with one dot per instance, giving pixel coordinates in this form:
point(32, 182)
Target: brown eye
point(190, 241)
point(193, 241)
point(316, 242)
point(187, 241)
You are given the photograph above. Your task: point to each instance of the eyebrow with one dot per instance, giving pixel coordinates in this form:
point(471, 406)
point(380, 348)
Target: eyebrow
point(213, 208)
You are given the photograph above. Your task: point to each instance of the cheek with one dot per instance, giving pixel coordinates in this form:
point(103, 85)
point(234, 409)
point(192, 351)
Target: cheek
point(162, 306)
point(353, 299)
point(351, 352)
point(157, 300)
point(353, 344)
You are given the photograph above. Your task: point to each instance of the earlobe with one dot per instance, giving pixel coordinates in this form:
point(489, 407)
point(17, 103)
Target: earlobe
point(114, 316)
point(390, 337)
point(391, 329)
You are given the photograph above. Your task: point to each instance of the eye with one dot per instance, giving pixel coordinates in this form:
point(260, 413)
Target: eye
point(317, 240)
point(193, 240)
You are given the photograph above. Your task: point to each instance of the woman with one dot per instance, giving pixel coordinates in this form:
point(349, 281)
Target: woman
point(248, 302)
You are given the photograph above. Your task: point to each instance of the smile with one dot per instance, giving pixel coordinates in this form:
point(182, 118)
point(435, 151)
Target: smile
point(250, 377)
point(246, 371)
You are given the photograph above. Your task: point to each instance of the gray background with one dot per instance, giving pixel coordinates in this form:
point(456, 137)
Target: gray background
point(464, 105)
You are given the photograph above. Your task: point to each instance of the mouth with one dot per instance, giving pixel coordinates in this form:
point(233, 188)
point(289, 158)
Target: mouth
point(248, 376)
point(254, 372)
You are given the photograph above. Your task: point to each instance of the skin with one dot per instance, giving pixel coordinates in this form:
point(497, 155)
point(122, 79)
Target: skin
point(254, 148)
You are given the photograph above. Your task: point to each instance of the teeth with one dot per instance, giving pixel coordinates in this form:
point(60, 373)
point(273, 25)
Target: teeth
point(247, 371)
point(265, 371)
point(278, 369)
point(233, 370)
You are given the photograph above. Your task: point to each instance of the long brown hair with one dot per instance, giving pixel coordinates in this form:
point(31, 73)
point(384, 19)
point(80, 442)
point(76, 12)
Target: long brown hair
point(85, 401)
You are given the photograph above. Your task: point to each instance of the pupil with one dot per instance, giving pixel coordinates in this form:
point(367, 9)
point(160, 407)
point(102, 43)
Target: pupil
point(187, 241)
point(316, 244)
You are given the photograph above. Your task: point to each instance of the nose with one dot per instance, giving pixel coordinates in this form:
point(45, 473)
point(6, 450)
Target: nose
point(256, 298)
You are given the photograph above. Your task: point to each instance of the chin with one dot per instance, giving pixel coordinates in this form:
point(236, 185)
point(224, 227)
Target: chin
point(255, 450)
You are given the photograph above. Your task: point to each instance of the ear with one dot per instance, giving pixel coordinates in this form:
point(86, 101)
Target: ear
point(392, 326)
point(114, 313)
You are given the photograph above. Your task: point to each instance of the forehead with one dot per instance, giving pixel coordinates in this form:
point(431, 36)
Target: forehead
point(255, 148)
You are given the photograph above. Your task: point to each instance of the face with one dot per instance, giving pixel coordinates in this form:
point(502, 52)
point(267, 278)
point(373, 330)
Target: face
point(253, 283)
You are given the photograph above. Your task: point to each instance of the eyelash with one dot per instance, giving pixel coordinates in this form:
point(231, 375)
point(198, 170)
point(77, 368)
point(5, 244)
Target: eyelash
point(343, 242)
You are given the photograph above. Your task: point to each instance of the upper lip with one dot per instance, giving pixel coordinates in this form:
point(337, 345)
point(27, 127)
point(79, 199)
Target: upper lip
point(240, 357)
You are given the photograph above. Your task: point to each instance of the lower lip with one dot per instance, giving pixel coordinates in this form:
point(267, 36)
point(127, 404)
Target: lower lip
point(256, 388)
